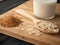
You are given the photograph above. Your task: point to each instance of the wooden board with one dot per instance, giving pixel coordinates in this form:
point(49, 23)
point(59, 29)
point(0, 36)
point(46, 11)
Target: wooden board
point(44, 39)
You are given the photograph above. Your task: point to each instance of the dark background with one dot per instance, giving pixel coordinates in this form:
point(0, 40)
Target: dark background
point(58, 1)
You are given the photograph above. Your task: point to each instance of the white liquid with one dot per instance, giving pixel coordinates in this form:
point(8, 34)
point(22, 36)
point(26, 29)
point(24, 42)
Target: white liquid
point(44, 9)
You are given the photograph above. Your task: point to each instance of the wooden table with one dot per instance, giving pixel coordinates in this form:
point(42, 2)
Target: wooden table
point(44, 39)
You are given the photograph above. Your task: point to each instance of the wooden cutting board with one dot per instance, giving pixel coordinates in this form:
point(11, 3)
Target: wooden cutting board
point(44, 39)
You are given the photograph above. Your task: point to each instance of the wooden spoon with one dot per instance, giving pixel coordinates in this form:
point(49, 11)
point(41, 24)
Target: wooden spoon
point(37, 22)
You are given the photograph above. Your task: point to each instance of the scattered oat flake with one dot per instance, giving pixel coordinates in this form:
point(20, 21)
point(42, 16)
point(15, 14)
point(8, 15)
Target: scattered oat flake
point(30, 29)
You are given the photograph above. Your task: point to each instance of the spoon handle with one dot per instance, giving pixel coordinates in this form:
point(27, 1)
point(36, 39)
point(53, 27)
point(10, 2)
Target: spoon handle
point(25, 14)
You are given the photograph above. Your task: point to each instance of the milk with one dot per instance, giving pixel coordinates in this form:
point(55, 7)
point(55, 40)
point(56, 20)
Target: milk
point(44, 9)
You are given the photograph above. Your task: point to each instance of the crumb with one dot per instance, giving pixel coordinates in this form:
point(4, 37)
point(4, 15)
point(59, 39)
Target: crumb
point(30, 29)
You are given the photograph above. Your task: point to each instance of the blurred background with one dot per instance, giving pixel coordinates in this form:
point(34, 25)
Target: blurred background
point(6, 40)
point(58, 1)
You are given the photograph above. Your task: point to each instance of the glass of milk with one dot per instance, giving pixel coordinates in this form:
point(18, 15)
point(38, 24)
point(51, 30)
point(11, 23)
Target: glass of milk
point(44, 9)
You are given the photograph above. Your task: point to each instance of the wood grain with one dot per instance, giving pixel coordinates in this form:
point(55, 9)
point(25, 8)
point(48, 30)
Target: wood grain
point(44, 39)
